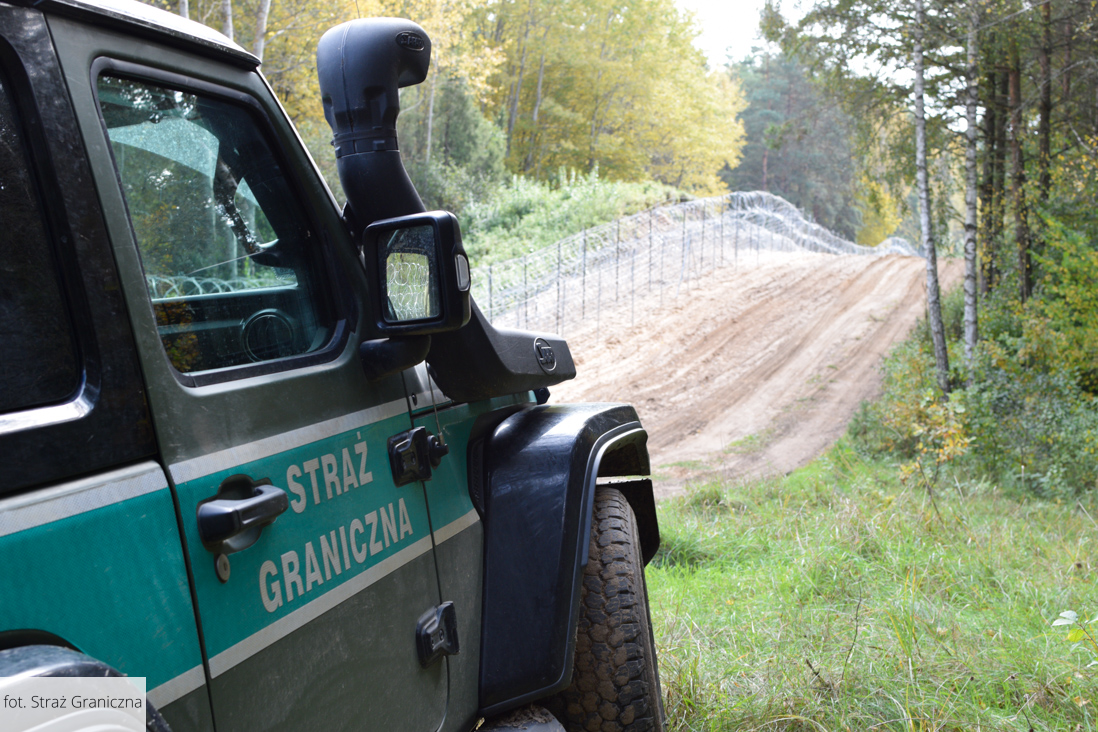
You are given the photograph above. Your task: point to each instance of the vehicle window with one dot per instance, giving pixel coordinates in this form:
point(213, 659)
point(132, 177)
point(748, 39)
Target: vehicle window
point(230, 258)
point(40, 360)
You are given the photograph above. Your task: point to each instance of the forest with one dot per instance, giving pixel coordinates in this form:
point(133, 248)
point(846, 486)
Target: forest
point(981, 118)
point(533, 88)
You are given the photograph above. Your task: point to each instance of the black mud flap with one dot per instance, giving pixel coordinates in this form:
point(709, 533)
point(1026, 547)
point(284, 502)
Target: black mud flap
point(533, 478)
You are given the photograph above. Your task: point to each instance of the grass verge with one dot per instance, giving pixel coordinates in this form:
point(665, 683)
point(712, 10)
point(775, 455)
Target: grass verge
point(837, 598)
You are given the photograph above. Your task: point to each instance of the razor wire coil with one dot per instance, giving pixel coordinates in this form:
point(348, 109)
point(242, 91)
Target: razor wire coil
point(669, 246)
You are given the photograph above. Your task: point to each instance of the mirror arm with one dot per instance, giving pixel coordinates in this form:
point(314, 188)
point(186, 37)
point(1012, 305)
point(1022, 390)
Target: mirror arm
point(386, 356)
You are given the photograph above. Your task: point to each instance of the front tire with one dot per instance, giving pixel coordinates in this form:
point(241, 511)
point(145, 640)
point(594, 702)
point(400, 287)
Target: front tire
point(615, 682)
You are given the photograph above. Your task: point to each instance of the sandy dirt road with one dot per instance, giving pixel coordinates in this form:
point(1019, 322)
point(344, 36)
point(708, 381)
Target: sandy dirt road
point(754, 370)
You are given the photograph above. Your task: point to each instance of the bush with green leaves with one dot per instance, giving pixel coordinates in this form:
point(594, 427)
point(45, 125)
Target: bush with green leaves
point(1020, 410)
point(1034, 428)
point(526, 215)
point(1071, 301)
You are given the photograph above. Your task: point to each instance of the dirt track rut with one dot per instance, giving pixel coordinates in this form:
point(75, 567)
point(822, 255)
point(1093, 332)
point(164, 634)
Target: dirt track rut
point(754, 370)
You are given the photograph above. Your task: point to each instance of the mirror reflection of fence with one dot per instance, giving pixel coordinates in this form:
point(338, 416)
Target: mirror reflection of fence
point(659, 254)
point(411, 274)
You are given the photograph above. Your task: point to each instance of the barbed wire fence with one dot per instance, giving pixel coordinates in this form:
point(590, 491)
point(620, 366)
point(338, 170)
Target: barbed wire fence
point(163, 287)
point(652, 256)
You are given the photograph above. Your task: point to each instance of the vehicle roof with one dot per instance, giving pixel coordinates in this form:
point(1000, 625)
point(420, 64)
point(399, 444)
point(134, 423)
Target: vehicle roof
point(145, 20)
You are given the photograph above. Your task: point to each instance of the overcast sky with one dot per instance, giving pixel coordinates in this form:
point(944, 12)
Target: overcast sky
point(729, 24)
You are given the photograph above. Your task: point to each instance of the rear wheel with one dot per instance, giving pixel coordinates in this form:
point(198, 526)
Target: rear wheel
point(615, 683)
point(21, 665)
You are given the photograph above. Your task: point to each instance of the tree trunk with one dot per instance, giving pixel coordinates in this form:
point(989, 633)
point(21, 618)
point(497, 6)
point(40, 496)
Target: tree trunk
point(769, 107)
point(987, 188)
point(261, 28)
point(227, 18)
point(1018, 178)
point(1044, 123)
point(593, 135)
point(971, 329)
point(518, 89)
point(1000, 207)
point(530, 155)
point(1065, 76)
point(185, 8)
point(430, 118)
point(537, 98)
point(933, 302)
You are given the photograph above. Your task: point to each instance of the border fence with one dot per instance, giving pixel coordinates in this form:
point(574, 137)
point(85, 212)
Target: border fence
point(652, 254)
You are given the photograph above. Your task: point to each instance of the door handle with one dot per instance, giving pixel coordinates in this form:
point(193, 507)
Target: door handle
point(233, 519)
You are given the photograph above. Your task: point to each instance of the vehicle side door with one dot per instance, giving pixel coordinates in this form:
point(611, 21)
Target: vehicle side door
point(90, 552)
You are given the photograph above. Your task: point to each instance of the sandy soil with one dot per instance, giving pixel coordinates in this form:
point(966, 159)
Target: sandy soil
point(755, 370)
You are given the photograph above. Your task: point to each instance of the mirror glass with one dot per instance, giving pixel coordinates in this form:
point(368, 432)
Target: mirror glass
point(410, 256)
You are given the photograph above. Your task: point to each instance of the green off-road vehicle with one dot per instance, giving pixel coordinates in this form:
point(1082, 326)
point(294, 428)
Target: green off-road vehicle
point(265, 451)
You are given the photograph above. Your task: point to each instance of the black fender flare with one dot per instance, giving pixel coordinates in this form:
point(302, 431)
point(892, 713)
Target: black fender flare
point(57, 661)
point(535, 475)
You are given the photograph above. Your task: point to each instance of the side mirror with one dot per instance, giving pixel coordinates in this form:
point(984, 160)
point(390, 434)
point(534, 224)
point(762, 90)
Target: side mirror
point(420, 272)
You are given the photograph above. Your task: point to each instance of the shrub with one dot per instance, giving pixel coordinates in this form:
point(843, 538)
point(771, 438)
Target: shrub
point(526, 215)
point(1071, 301)
point(1034, 428)
point(1026, 421)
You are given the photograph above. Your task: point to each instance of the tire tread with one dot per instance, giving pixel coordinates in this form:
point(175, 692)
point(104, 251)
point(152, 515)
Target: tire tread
point(615, 687)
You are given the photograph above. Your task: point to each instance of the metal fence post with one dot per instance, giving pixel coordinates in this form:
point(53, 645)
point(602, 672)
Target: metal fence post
point(663, 249)
point(583, 287)
point(563, 306)
point(650, 217)
point(701, 247)
point(598, 308)
point(617, 259)
point(632, 288)
point(682, 268)
point(558, 287)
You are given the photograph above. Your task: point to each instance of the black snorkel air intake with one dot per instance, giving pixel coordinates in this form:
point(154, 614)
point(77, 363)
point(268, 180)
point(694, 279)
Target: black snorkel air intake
point(361, 65)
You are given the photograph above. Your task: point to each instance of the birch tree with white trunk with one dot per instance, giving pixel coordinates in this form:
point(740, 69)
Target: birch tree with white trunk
point(261, 16)
point(227, 18)
point(933, 299)
point(971, 324)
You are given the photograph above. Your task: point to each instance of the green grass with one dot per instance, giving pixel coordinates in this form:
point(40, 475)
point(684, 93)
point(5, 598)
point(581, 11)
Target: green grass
point(752, 443)
point(836, 599)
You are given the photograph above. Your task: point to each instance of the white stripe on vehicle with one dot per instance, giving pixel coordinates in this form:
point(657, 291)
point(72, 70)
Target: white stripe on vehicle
point(176, 688)
point(232, 457)
point(79, 496)
point(454, 528)
point(282, 627)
